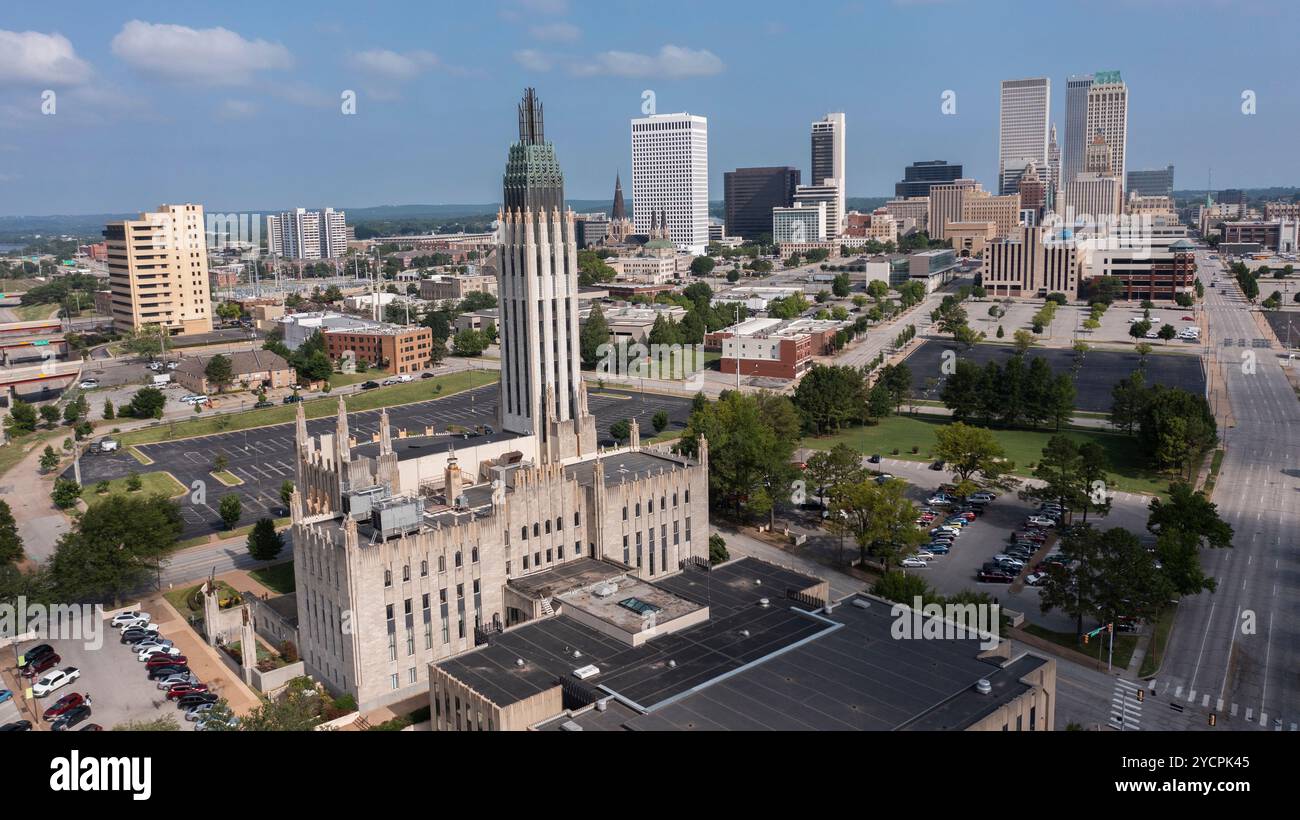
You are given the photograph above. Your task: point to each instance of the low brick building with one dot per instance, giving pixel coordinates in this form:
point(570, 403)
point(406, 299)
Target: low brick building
point(394, 348)
point(772, 348)
point(250, 369)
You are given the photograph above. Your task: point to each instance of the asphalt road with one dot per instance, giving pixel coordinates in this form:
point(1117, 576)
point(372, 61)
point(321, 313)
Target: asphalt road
point(263, 458)
point(1235, 651)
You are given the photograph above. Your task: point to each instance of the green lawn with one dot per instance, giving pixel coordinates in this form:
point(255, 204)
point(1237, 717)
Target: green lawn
point(188, 602)
point(32, 313)
point(1097, 648)
point(1160, 630)
point(225, 534)
point(344, 379)
point(160, 482)
point(17, 449)
point(418, 390)
point(277, 577)
point(1023, 447)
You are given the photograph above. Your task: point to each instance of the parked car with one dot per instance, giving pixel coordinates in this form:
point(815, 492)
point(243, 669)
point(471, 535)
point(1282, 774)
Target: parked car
point(40, 665)
point(138, 634)
point(130, 618)
point(207, 724)
point(156, 651)
point(426, 375)
point(938, 500)
point(913, 563)
point(178, 690)
point(398, 379)
point(924, 554)
point(63, 704)
point(152, 642)
point(261, 404)
point(943, 531)
point(292, 398)
point(875, 458)
point(173, 680)
point(1040, 521)
point(195, 699)
point(157, 673)
point(17, 726)
point(91, 727)
point(88, 384)
point(883, 477)
point(937, 465)
point(165, 660)
point(6, 694)
point(990, 577)
point(55, 680)
point(70, 718)
point(369, 385)
point(983, 495)
point(937, 547)
point(1035, 578)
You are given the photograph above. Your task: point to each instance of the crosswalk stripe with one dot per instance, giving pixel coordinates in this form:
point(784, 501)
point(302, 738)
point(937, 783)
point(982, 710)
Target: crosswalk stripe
point(1205, 701)
point(1249, 712)
point(1178, 693)
point(1234, 710)
point(1220, 706)
point(1263, 718)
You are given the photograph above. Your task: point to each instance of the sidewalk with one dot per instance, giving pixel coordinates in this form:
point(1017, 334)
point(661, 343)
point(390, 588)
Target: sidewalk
point(203, 659)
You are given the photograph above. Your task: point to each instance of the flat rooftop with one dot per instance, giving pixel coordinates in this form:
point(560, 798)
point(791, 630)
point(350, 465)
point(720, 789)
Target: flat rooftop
point(564, 578)
point(629, 606)
point(623, 466)
point(419, 446)
point(664, 667)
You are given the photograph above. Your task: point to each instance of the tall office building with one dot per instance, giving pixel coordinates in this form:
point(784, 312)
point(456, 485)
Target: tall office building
point(945, 205)
point(828, 156)
point(670, 175)
point(1023, 124)
point(1155, 182)
point(1108, 116)
point(304, 234)
point(752, 193)
point(542, 395)
point(919, 176)
point(1076, 127)
point(832, 195)
point(1053, 180)
point(158, 271)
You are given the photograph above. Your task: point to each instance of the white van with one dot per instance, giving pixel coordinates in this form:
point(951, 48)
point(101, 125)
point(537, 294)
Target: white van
point(162, 379)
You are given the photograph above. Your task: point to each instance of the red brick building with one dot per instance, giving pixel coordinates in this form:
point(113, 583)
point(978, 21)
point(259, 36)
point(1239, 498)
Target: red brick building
point(772, 348)
point(390, 347)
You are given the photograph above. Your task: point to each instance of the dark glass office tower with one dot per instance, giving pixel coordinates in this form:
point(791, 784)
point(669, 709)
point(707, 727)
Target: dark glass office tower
point(752, 193)
point(919, 176)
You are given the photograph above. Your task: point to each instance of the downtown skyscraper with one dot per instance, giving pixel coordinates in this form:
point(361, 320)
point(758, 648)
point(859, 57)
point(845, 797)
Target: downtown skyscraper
point(542, 392)
point(1076, 127)
point(1022, 129)
point(1108, 117)
point(670, 176)
point(828, 156)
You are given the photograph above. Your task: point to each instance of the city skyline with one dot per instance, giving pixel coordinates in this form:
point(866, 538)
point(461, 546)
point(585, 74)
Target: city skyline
point(233, 98)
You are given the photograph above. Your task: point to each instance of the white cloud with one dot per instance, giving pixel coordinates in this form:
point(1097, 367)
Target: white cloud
point(212, 56)
point(672, 62)
point(392, 65)
point(236, 110)
point(556, 32)
point(33, 58)
point(534, 60)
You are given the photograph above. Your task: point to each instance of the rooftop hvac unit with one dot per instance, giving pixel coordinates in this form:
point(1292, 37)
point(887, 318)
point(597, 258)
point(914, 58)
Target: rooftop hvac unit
point(397, 516)
point(570, 726)
point(588, 671)
point(861, 604)
point(605, 590)
point(983, 686)
point(359, 503)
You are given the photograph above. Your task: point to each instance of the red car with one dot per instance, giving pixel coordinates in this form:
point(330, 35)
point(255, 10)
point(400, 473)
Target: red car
point(1037, 536)
point(179, 689)
point(41, 665)
point(64, 704)
point(165, 660)
point(969, 516)
point(1189, 318)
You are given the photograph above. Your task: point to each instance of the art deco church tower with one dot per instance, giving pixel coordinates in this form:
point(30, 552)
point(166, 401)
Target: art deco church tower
point(542, 392)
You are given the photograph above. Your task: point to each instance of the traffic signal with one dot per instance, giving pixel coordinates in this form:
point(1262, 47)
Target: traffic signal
point(1142, 693)
point(1085, 639)
point(1110, 627)
point(1213, 718)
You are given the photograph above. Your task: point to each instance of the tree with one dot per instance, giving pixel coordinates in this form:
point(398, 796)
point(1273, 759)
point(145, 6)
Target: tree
point(702, 265)
point(22, 417)
point(1128, 399)
point(220, 463)
point(733, 275)
point(972, 451)
point(880, 517)
point(286, 493)
point(108, 410)
point(49, 415)
point(66, 492)
point(1176, 427)
point(718, 550)
point(659, 421)
point(49, 459)
point(264, 543)
point(477, 300)
point(899, 587)
point(1168, 332)
point(829, 396)
point(621, 430)
point(145, 342)
point(961, 391)
point(841, 285)
point(148, 402)
point(832, 470)
point(117, 543)
point(468, 342)
point(897, 380)
point(230, 509)
point(877, 289)
point(1138, 330)
point(1022, 340)
point(11, 543)
point(1001, 332)
point(219, 372)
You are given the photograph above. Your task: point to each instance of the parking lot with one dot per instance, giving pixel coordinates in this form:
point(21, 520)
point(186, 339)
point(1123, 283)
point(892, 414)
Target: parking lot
point(1100, 370)
point(263, 458)
point(988, 536)
point(113, 678)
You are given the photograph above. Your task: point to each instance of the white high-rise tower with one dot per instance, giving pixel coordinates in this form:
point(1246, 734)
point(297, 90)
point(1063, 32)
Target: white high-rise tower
point(828, 159)
point(670, 177)
point(1023, 126)
point(1108, 116)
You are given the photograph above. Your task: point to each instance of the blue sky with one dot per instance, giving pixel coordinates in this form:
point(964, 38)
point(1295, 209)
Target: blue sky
point(237, 104)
